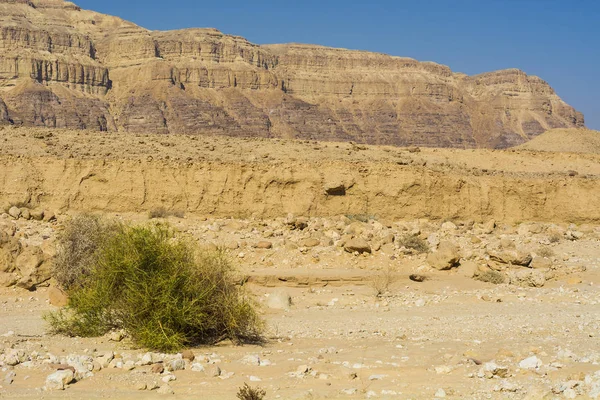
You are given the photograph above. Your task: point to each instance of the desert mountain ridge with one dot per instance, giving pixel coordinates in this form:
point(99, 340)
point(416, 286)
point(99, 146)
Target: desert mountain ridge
point(64, 67)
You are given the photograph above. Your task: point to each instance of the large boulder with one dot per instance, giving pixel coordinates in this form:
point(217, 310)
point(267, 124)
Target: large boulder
point(33, 266)
point(446, 257)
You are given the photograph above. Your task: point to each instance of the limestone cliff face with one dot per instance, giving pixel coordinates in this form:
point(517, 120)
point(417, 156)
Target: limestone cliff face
point(61, 66)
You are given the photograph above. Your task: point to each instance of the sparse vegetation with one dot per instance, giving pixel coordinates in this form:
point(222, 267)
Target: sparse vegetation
point(382, 281)
point(77, 248)
point(361, 217)
point(491, 277)
point(555, 237)
point(414, 242)
point(157, 287)
point(545, 251)
point(248, 393)
point(162, 212)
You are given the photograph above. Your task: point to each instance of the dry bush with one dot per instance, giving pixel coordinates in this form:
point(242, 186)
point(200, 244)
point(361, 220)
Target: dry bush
point(414, 242)
point(77, 247)
point(248, 393)
point(160, 290)
point(162, 212)
point(382, 281)
point(491, 277)
point(555, 237)
point(545, 252)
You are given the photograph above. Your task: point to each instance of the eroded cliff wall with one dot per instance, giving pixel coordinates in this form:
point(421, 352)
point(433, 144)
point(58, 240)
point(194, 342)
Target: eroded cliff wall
point(61, 66)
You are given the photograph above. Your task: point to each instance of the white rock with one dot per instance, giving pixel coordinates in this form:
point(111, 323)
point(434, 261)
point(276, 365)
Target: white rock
point(530, 363)
point(168, 378)
point(197, 367)
point(176, 365)
point(440, 394)
point(254, 378)
point(59, 379)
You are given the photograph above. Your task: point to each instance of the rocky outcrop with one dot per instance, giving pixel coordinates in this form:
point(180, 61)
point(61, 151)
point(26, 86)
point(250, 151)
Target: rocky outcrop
point(61, 66)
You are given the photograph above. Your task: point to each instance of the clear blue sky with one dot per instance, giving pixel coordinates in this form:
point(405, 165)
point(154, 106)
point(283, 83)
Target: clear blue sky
point(558, 40)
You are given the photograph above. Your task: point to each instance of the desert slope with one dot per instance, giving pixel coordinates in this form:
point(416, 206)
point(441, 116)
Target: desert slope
point(566, 140)
point(64, 67)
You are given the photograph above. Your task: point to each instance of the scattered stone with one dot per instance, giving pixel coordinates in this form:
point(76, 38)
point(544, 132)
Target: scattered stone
point(264, 244)
point(14, 212)
point(57, 297)
point(440, 394)
point(358, 245)
point(59, 379)
point(417, 278)
point(197, 367)
point(188, 355)
point(446, 257)
point(309, 243)
point(165, 389)
point(116, 336)
point(176, 365)
point(279, 300)
point(157, 368)
point(530, 363)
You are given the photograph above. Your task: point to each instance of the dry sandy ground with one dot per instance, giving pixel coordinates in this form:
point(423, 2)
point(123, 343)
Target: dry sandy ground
point(347, 343)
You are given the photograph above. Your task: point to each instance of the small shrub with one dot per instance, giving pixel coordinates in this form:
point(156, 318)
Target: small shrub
point(383, 280)
point(555, 237)
point(361, 217)
point(162, 212)
point(77, 248)
point(545, 252)
point(248, 393)
point(414, 242)
point(163, 293)
point(492, 277)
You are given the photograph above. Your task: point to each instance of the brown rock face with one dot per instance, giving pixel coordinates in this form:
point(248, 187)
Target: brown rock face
point(61, 66)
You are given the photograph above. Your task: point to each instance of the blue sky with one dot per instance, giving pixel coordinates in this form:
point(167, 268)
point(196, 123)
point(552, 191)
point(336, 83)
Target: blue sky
point(558, 40)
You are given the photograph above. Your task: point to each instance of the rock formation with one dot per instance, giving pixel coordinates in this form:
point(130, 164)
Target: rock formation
point(61, 66)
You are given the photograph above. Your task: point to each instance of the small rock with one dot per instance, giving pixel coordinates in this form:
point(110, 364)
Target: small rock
point(9, 377)
point(440, 393)
point(59, 379)
point(530, 363)
point(165, 389)
point(176, 365)
point(418, 278)
point(188, 355)
point(446, 257)
point(14, 212)
point(264, 244)
point(197, 367)
point(141, 386)
point(214, 371)
point(157, 369)
point(116, 336)
point(357, 245)
point(57, 297)
point(279, 300)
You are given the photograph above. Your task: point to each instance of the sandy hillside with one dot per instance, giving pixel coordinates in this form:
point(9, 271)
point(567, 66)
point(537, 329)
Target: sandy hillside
point(566, 141)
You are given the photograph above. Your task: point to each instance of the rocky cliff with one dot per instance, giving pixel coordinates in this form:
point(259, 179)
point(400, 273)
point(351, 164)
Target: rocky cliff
point(61, 66)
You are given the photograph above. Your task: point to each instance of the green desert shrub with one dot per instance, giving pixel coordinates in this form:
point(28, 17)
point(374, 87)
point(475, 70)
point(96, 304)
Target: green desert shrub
point(160, 290)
